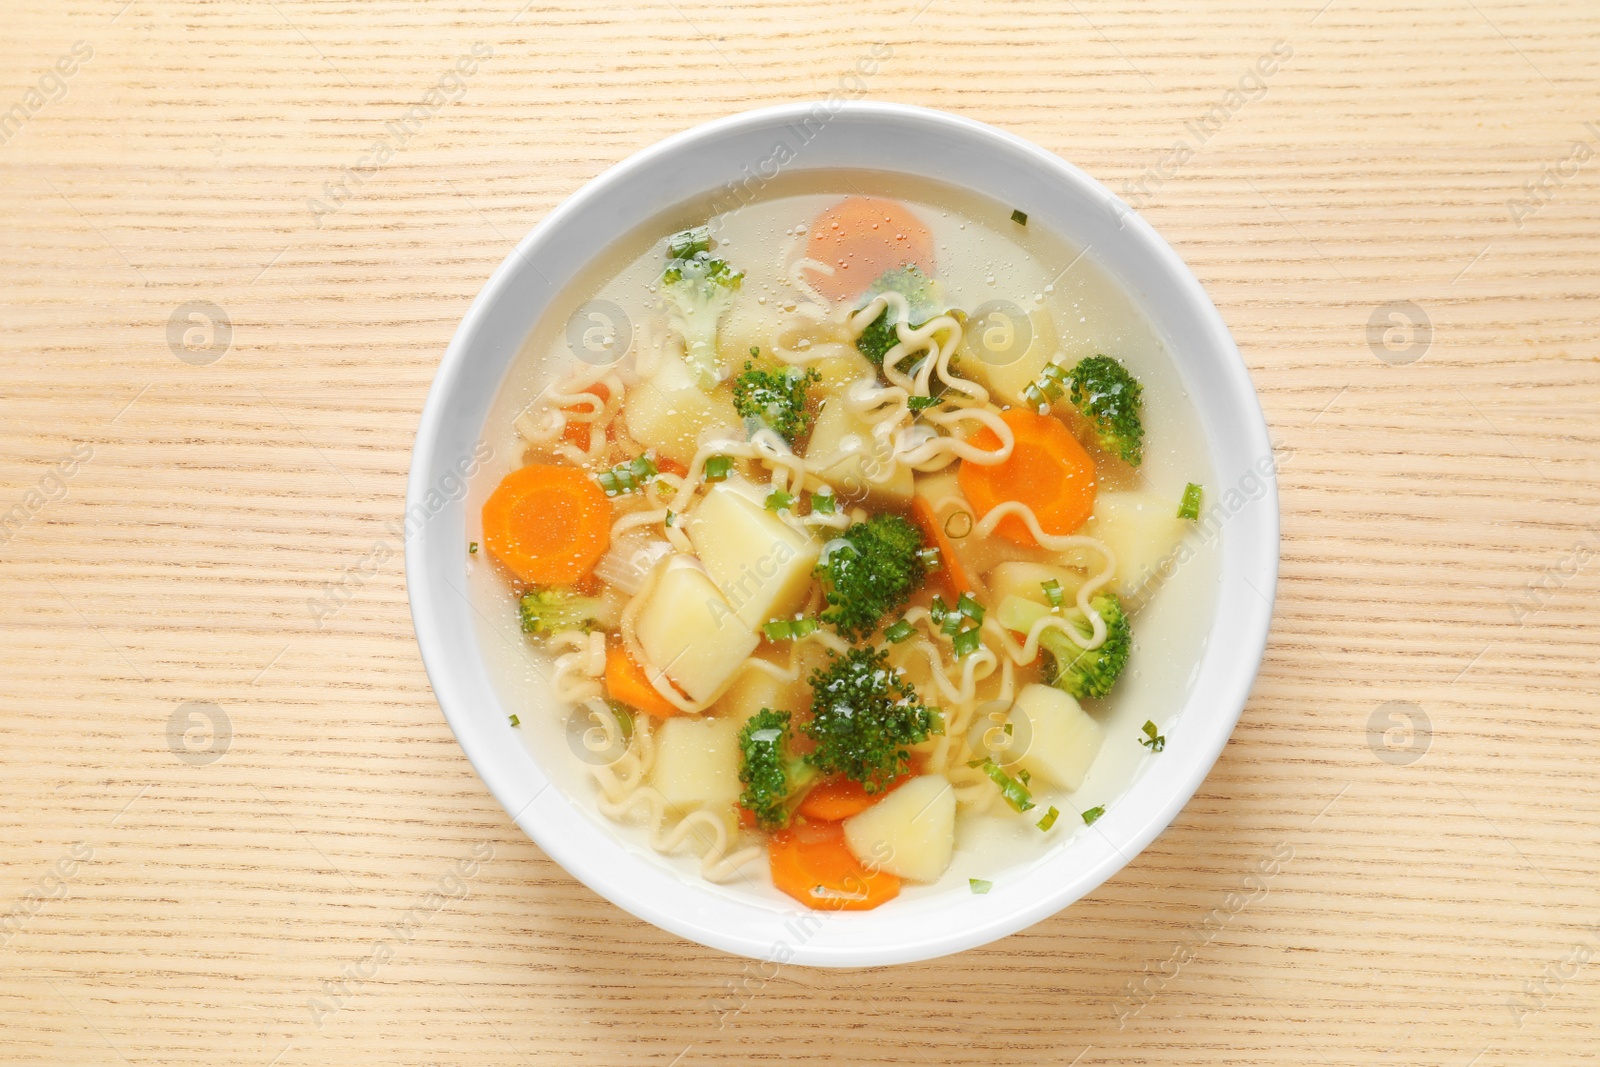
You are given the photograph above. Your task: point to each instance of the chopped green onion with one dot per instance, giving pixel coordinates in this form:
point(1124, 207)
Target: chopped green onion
point(1019, 217)
point(1015, 793)
point(717, 468)
point(626, 477)
point(1092, 814)
point(515, 721)
point(966, 643)
point(930, 559)
point(919, 404)
point(668, 520)
point(936, 721)
point(980, 886)
point(824, 503)
point(789, 629)
point(779, 500)
point(951, 624)
point(1190, 507)
point(970, 608)
point(900, 631)
point(1152, 739)
point(1052, 592)
point(472, 549)
point(1049, 819)
point(686, 243)
point(938, 610)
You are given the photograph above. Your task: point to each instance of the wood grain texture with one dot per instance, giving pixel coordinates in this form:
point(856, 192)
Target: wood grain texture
point(1436, 911)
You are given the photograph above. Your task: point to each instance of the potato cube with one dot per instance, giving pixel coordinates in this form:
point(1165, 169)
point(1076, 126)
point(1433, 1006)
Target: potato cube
point(689, 630)
point(910, 833)
point(761, 563)
point(1142, 529)
point(697, 762)
point(671, 414)
point(1062, 740)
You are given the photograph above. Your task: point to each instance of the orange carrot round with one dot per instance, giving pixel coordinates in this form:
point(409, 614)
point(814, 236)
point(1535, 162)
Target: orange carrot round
point(861, 237)
point(951, 572)
point(1048, 470)
point(547, 524)
point(627, 682)
point(836, 799)
point(812, 863)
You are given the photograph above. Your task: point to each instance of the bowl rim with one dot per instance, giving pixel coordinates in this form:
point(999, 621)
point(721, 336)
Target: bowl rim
point(546, 816)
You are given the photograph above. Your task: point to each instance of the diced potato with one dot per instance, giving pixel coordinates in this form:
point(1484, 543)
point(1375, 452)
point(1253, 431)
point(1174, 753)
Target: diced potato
point(761, 563)
point(911, 832)
point(1026, 580)
point(688, 629)
point(1062, 739)
point(670, 413)
point(756, 689)
point(1142, 529)
point(979, 359)
point(1018, 614)
point(697, 762)
point(841, 450)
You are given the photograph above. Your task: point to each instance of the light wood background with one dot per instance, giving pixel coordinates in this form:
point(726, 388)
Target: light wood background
point(173, 900)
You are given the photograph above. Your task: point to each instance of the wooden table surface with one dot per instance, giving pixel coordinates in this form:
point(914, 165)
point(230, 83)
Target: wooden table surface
point(236, 828)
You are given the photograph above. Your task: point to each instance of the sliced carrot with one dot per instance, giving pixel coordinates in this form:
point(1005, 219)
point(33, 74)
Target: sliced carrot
point(1048, 470)
point(951, 572)
point(812, 863)
point(667, 465)
point(627, 682)
point(576, 434)
point(861, 237)
point(548, 524)
point(836, 799)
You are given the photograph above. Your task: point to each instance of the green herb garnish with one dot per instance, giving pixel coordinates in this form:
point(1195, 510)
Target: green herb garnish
point(515, 721)
point(1019, 217)
point(980, 886)
point(789, 629)
point(717, 468)
point(900, 631)
point(1052, 592)
point(1152, 739)
point(1092, 814)
point(472, 548)
point(824, 503)
point(1190, 507)
point(1049, 819)
point(627, 477)
point(1015, 793)
point(778, 500)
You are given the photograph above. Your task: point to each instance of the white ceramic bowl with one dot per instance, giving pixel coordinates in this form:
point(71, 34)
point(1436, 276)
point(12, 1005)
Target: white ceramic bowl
point(919, 142)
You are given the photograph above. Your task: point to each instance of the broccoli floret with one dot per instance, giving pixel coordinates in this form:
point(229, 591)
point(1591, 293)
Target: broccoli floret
point(775, 779)
point(549, 611)
point(777, 398)
point(700, 288)
point(863, 715)
point(922, 293)
point(870, 570)
point(1085, 672)
point(1108, 396)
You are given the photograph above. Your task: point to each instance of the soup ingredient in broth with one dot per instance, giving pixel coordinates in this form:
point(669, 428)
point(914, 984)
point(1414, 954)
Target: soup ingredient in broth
point(1109, 397)
point(547, 523)
point(813, 864)
point(627, 683)
point(837, 798)
point(1082, 672)
point(870, 571)
point(1048, 470)
point(700, 288)
point(551, 611)
point(864, 714)
point(861, 238)
point(924, 301)
point(774, 778)
point(778, 399)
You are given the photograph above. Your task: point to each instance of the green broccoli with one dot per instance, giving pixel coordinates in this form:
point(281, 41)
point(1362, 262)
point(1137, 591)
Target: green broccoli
point(701, 289)
point(549, 611)
point(1085, 672)
point(777, 398)
point(922, 293)
point(869, 571)
point(775, 779)
point(863, 715)
point(1108, 396)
